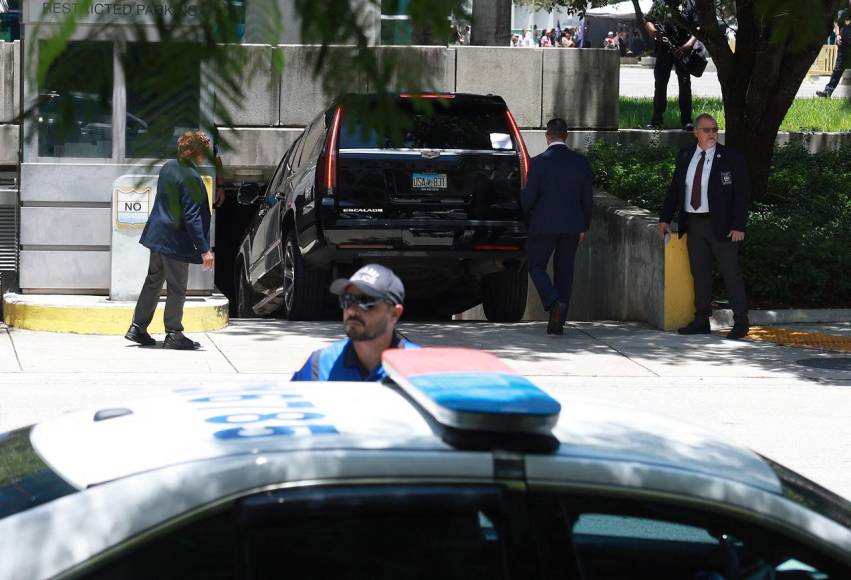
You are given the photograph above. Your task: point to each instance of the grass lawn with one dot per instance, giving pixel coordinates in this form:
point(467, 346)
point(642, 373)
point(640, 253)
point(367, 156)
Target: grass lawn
point(805, 114)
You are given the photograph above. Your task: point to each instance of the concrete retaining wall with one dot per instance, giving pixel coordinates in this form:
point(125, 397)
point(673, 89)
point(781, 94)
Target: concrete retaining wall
point(515, 75)
point(582, 87)
point(620, 269)
point(256, 151)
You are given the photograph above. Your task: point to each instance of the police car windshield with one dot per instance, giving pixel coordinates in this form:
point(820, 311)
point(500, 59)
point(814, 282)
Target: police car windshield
point(26, 481)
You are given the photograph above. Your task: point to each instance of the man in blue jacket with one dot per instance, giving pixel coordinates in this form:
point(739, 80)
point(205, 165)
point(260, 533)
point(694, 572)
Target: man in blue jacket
point(372, 305)
point(177, 233)
point(558, 199)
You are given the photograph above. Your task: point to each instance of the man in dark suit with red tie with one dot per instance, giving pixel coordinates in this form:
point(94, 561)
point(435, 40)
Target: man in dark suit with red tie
point(711, 189)
point(558, 199)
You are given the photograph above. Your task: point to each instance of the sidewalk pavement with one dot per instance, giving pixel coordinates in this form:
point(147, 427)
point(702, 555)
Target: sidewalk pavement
point(765, 396)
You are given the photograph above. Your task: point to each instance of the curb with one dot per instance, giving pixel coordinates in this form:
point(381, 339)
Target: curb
point(791, 316)
point(99, 315)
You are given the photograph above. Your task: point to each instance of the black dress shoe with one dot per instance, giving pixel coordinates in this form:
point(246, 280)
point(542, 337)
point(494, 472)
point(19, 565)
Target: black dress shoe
point(695, 327)
point(177, 341)
point(653, 125)
point(555, 324)
point(824, 94)
point(688, 127)
point(139, 336)
point(738, 331)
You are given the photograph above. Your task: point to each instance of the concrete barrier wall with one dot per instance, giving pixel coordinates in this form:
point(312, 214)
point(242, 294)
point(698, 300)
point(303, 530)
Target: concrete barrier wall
point(303, 96)
point(515, 75)
point(620, 269)
point(582, 87)
point(256, 151)
point(260, 104)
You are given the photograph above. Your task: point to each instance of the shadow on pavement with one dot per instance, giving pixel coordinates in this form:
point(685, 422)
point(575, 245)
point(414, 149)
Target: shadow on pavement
point(589, 348)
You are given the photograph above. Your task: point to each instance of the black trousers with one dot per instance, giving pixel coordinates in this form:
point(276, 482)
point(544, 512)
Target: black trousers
point(539, 248)
point(176, 276)
point(665, 61)
point(838, 68)
point(702, 245)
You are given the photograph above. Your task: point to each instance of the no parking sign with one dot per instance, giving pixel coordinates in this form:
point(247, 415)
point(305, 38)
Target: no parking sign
point(132, 206)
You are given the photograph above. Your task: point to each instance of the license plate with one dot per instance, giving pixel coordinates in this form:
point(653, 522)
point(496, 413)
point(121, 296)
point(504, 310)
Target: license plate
point(428, 181)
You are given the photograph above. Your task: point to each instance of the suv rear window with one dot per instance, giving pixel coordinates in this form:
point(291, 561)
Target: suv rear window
point(25, 480)
point(450, 125)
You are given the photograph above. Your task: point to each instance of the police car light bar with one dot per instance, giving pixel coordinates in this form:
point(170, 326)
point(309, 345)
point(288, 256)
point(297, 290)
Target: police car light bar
point(471, 390)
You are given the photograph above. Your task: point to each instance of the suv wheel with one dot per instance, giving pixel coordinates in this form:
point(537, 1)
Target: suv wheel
point(305, 286)
point(504, 294)
point(244, 295)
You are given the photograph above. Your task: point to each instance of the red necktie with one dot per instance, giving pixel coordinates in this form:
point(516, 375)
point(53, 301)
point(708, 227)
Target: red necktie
point(695, 185)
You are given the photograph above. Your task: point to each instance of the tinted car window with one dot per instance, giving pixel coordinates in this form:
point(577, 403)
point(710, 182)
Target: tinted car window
point(381, 532)
point(450, 125)
point(275, 183)
point(624, 539)
point(342, 533)
point(204, 548)
point(25, 480)
point(313, 139)
point(297, 159)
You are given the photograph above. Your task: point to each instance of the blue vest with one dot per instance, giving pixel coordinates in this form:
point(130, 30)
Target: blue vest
point(339, 362)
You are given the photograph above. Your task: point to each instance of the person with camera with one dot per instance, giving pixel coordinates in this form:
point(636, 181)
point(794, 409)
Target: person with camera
point(673, 44)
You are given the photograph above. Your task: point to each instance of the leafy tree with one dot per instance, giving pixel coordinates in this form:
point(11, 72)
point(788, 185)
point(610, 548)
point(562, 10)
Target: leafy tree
point(776, 42)
point(192, 34)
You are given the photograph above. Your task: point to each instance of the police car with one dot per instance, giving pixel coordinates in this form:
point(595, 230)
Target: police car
point(458, 468)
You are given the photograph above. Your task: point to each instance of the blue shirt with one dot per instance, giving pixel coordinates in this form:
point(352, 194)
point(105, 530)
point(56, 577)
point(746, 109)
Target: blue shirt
point(339, 362)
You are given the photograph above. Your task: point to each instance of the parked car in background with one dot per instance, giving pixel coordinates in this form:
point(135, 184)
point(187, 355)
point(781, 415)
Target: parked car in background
point(438, 202)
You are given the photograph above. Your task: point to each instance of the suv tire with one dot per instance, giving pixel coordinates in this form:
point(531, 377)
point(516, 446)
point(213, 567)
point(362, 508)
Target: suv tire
point(305, 286)
point(504, 294)
point(244, 295)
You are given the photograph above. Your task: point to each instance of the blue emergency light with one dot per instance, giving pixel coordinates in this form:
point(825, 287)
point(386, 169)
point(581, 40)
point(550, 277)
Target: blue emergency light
point(471, 390)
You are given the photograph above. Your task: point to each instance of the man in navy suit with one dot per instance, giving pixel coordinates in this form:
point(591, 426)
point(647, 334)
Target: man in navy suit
point(177, 233)
point(711, 189)
point(558, 199)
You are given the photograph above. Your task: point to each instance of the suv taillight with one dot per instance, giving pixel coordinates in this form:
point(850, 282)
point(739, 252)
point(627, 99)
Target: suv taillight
point(329, 168)
point(521, 146)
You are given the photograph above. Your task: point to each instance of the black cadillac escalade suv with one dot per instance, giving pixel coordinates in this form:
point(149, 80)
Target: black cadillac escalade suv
point(438, 201)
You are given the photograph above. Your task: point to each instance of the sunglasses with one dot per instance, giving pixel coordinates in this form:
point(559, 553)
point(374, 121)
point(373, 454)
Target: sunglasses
point(365, 303)
point(708, 129)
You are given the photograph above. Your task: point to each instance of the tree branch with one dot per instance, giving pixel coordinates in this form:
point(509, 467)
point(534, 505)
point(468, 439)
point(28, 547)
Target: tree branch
point(710, 34)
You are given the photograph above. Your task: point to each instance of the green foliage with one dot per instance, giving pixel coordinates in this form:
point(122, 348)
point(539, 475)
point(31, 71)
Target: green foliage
point(804, 114)
point(796, 253)
point(635, 173)
point(793, 22)
point(573, 6)
point(205, 32)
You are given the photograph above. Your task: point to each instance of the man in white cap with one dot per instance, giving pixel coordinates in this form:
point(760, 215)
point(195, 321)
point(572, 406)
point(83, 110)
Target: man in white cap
point(372, 302)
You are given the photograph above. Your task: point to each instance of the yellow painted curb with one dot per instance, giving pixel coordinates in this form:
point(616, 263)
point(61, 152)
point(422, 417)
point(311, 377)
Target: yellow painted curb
point(95, 318)
point(679, 285)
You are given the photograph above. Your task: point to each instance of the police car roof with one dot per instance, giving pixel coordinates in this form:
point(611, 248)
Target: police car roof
point(188, 425)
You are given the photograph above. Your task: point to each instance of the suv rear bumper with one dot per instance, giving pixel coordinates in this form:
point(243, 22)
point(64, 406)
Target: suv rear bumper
point(420, 239)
